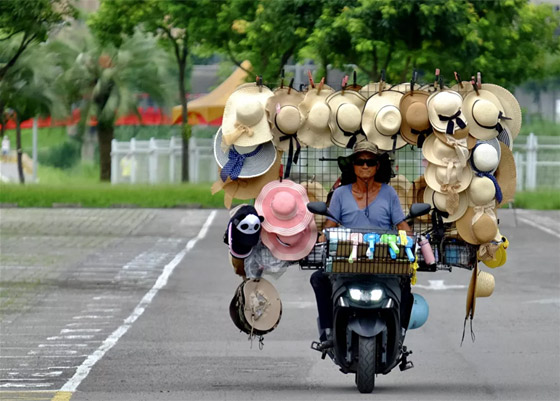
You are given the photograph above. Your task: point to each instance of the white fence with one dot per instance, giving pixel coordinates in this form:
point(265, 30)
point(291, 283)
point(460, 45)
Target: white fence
point(159, 161)
point(537, 161)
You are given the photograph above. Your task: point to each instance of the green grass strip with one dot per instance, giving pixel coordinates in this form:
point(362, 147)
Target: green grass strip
point(544, 199)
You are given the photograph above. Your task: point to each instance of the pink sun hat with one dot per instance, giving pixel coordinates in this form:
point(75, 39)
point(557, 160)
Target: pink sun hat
point(284, 207)
point(291, 247)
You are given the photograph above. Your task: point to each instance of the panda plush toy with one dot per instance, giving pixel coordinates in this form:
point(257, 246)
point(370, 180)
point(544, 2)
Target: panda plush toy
point(243, 231)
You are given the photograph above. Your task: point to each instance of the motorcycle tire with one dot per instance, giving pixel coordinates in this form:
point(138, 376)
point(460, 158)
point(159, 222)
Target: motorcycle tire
point(365, 375)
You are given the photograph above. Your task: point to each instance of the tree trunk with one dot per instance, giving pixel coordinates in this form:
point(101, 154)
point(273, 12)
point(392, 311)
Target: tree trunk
point(105, 134)
point(19, 151)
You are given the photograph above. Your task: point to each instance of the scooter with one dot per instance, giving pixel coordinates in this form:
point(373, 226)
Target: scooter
point(371, 314)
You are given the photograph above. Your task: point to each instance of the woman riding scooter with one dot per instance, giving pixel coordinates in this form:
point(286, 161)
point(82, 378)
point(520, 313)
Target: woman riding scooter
point(366, 202)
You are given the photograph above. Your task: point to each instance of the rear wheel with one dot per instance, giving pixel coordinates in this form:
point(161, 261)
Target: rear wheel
point(365, 376)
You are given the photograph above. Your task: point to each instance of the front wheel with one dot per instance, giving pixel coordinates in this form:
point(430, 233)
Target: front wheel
point(365, 376)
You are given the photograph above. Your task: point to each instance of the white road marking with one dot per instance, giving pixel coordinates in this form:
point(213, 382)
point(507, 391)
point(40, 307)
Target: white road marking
point(555, 301)
point(72, 337)
point(64, 331)
point(539, 222)
point(438, 285)
point(84, 369)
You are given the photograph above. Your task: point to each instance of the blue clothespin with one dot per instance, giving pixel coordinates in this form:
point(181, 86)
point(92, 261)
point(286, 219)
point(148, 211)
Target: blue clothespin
point(371, 239)
point(408, 248)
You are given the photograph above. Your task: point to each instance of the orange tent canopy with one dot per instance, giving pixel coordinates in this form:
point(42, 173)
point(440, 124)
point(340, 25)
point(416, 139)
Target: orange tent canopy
point(209, 109)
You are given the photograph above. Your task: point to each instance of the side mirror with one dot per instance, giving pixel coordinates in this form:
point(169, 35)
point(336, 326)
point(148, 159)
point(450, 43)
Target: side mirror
point(418, 209)
point(321, 209)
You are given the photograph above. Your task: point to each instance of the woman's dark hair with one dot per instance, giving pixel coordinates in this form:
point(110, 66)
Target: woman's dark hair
point(383, 174)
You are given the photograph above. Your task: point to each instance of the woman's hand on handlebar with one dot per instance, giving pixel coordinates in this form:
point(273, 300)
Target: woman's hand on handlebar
point(328, 224)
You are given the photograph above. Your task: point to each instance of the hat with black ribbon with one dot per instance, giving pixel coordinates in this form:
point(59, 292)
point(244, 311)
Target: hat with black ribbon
point(346, 120)
point(445, 112)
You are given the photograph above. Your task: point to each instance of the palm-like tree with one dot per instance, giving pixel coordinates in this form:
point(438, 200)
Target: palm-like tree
point(106, 81)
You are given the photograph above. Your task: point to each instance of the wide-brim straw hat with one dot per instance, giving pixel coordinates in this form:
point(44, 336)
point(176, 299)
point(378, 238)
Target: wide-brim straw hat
point(511, 106)
point(459, 177)
point(435, 151)
point(416, 195)
point(482, 284)
point(346, 114)
point(486, 155)
point(447, 104)
point(283, 114)
point(254, 165)
point(414, 114)
point(291, 247)
point(461, 136)
point(482, 231)
point(439, 201)
point(246, 188)
point(381, 120)
point(315, 131)
point(481, 191)
point(245, 122)
point(402, 186)
point(284, 207)
point(506, 174)
point(483, 112)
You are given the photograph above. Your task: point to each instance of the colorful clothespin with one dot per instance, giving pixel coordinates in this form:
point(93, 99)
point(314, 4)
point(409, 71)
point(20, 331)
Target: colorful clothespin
point(371, 239)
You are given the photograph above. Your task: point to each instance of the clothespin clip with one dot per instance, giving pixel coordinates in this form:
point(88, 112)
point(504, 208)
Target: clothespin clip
point(313, 178)
point(355, 238)
point(371, 239)
point(413, 81)
point(403, 237)
point(436, 81)
point(441, 82)
point(344, 83)
point(291, 85)
point(474, 85)
point(281, 172)
point(320, 85)
point(458, 79)
point(382, 82)
point(310, 79)
point(479, 80)
point(259, 82)
point(282, 80)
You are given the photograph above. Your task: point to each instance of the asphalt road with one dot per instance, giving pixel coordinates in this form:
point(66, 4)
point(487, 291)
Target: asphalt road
point(132, 304)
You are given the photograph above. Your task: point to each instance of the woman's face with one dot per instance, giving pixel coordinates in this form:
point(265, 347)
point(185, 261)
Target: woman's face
point(365, 165)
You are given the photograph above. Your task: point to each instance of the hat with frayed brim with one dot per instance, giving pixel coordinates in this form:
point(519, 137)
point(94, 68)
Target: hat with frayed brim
point(439, 201)
point(284, 116)
point(346, 116)
point(260, 160)
point(244, 122)
point(284, 207)
point(511, 108)
point(506, 174)
point(482, 285)
point(381, 120)
point(414, 112)
point(291, 247)
point(315, 131)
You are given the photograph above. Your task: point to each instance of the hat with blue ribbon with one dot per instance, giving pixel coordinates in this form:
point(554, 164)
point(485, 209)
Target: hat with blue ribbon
point(243, 161)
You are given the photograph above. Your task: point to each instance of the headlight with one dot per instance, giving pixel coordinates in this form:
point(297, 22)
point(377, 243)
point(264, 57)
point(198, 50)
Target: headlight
point(358, 294)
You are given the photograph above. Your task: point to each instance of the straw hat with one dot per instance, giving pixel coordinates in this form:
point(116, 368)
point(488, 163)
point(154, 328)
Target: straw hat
point(457, 176)
point(464, 90)
point(244, 122)
point(415, 122)
point(246, 188)
point(444, 111)
point(291, 247)
point(460, 137)
point(256, 307)
point(439, 201)
point(284, 207)
point(244, 161)
point(381, 119)
point(283, 115)
point(483, 230)
point(402, 186)
point(486, 156)
point(416, 195)
point(484, 114)
point(511, 108)
point(481, 285)
point(315, 130)
point(481, 191)
point(506, 174)
point(316, 193)
point(346, 117)
point(437, 152)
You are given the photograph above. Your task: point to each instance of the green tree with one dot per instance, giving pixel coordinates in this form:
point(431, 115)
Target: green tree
point(107, 80)
point(181, 27)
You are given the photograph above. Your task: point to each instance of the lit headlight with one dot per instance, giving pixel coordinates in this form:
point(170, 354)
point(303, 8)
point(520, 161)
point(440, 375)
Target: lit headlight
point(358, 294)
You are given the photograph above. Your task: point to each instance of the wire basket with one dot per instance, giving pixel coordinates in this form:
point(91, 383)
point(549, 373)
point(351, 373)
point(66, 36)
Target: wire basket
point(316, 258)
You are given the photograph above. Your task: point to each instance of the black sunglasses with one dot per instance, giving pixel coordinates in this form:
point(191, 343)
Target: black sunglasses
point(368, 162)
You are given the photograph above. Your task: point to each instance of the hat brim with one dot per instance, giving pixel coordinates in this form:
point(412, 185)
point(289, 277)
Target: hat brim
point(261, 130)
point(283, 98)
point(512, 109)
point(334, 101)
point(272, 223)
point(463, 205)
point(475, 129)
point(253, 166)
point(506, 174)
point(300, 249)
point(406, 101)
point(441, 126)
point(471, 140)
point(272, 312)
point(465, 228)
point(371, 108)
point(471, 299)
point(309, 135)
point(432, 181)
point(428, 150)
